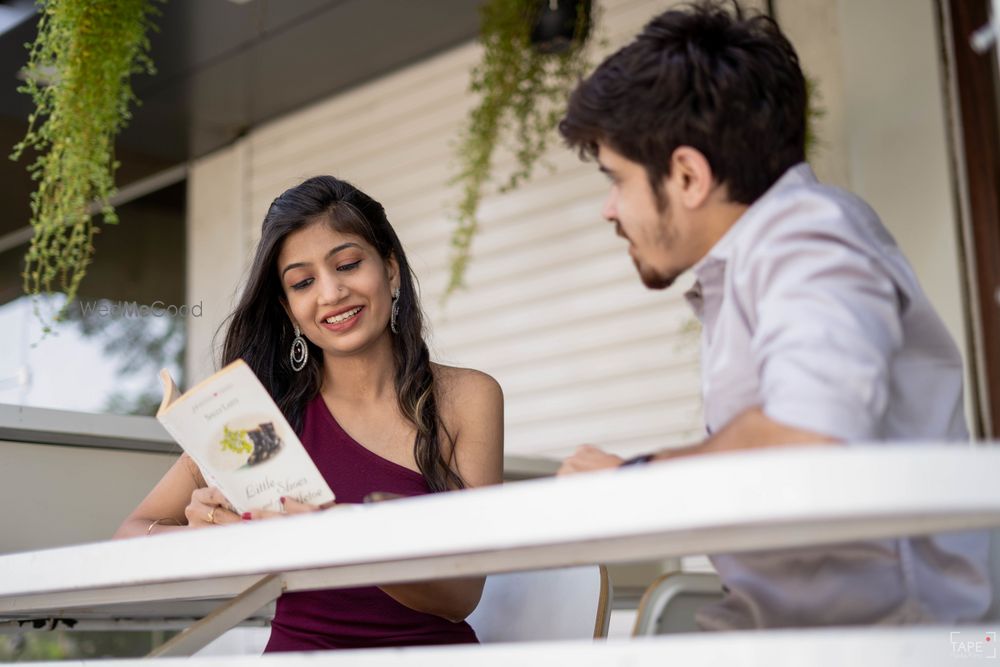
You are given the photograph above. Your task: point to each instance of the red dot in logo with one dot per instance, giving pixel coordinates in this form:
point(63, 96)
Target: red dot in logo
point(988, 638)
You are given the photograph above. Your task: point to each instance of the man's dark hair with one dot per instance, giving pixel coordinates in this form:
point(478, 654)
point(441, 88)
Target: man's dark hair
point(704, 76)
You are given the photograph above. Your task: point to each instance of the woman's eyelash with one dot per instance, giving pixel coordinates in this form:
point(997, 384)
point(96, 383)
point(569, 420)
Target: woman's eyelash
point(308, 281)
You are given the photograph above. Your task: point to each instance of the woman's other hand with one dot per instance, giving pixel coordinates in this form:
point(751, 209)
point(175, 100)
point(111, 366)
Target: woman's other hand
point(290, 505)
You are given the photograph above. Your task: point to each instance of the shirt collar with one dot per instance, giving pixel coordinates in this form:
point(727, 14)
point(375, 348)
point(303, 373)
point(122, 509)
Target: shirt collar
point(710, 268)
point(800, 174)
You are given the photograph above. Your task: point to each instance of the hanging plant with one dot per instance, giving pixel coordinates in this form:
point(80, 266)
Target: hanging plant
point(77, 74)
point(531, 60)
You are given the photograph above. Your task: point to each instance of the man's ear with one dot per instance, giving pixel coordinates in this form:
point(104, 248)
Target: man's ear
point(692, 176)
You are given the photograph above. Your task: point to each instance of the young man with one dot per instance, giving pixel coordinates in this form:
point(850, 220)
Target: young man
point(814, 328)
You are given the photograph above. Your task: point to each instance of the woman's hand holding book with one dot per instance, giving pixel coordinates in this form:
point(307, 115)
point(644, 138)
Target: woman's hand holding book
point(209, 507)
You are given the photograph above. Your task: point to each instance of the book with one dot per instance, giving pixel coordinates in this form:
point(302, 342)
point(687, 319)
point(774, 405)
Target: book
point(242, 443)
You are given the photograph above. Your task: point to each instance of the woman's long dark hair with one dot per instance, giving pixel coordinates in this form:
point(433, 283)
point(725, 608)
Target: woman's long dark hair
point(260, 332)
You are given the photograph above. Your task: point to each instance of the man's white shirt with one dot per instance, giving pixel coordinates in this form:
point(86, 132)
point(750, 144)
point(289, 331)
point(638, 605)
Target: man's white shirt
point(810, 311)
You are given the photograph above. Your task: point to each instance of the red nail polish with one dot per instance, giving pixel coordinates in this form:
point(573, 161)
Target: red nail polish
point(247, 516)
point(282, 500)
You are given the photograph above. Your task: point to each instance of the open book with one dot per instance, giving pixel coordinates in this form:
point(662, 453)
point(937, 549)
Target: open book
point(229, 425)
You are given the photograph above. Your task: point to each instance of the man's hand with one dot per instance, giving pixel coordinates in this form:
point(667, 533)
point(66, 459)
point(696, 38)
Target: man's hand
point(751, 429)
point(588, 459)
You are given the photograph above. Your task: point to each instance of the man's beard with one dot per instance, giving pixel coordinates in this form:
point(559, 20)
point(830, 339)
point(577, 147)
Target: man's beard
point(653, 280)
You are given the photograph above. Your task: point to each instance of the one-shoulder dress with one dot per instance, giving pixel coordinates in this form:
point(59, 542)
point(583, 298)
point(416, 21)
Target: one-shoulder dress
point(355, 617)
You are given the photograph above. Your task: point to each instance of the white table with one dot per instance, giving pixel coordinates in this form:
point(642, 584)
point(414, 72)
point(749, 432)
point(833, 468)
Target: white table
point(714, 504)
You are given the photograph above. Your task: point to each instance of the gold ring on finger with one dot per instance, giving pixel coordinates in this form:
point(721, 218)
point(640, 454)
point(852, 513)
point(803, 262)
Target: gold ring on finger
point(211, 515)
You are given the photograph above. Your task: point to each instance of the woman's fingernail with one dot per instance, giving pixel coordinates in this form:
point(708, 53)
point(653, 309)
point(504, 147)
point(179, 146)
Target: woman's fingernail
point(282, 500)
point(247, 516)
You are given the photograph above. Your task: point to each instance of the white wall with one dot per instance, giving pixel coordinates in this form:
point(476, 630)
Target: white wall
point(218, 247)
point(814, 28)
point(554, 310)
point(44, 488)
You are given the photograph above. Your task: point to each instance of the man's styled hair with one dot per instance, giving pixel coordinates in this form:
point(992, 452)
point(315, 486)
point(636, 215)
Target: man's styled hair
point(706, 76)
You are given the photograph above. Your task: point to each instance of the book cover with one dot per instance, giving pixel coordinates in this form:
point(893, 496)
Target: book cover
point(229, 425)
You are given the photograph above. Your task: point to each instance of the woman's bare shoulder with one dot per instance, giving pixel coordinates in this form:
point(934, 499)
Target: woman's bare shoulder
point(465, 384)
point(471, 407)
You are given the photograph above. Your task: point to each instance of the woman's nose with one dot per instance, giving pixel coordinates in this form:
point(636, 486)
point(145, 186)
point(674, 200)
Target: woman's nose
point(331, 288)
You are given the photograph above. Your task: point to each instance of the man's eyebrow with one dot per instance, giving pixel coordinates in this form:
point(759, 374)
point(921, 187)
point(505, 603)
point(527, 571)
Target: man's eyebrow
point(333, 251)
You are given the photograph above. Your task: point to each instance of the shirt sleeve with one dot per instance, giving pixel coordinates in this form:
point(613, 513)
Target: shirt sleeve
point(828, 325)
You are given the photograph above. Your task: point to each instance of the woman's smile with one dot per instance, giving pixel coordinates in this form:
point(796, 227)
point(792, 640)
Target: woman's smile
point(343, 320)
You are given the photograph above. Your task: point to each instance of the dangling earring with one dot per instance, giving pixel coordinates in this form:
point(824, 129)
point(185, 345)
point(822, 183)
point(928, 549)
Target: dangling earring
point(300, 351)
point(395, 311)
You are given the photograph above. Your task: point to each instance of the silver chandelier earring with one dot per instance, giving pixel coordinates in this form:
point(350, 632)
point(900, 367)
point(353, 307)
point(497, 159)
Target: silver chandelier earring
point(300, 351)
point(395, 311)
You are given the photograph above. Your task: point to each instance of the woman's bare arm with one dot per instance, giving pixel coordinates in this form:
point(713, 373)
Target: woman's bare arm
point(179, 501)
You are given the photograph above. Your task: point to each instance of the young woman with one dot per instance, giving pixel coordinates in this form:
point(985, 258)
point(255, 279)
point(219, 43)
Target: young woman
point(331, 324)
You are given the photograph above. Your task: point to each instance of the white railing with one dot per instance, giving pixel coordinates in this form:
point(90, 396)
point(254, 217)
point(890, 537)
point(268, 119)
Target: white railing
point(850, 647)
point(714, 504)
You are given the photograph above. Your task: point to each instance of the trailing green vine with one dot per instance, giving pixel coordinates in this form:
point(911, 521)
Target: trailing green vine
point(522, 93)
point(814, 114)
point(78, 75)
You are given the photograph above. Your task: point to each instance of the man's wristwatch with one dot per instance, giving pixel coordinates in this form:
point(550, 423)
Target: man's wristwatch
point(637, 460)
